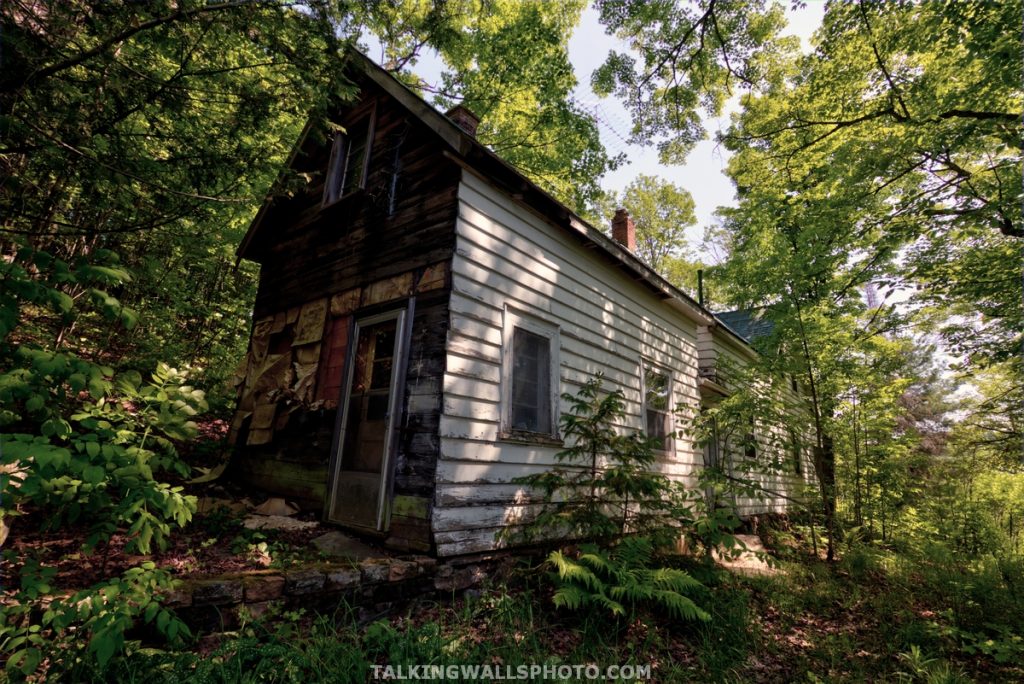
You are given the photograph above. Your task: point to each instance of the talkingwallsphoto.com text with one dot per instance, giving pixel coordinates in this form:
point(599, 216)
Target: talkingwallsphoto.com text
point(497, 673)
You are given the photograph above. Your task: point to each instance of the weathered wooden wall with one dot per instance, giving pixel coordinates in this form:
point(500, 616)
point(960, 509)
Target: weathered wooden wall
point(607, 322)
point(311, 250)
point(368, 252)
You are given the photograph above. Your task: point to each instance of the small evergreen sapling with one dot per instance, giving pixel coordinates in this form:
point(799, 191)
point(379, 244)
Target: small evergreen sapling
point(604, 491)
point(603, 486)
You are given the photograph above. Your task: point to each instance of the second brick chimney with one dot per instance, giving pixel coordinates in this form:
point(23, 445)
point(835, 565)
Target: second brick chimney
point(623, 230)
point(464, 119)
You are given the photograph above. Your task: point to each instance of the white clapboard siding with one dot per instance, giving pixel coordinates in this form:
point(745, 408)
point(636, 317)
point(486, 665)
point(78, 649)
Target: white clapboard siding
point(472, 495)
point(506, 255)
point(777, 485)
point(473, 540)
point(463, 472)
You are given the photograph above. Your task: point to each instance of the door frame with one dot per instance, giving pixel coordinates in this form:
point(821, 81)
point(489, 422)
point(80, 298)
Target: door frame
point(403, 334)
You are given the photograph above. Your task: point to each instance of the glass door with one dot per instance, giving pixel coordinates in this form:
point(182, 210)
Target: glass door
point(371, 404)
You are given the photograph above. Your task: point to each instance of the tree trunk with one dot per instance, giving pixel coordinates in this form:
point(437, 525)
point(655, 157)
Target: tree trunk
point(825, 464)
point(857, 497)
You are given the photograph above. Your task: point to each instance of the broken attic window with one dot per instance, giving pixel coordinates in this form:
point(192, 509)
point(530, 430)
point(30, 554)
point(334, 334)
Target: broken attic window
point(347, 169)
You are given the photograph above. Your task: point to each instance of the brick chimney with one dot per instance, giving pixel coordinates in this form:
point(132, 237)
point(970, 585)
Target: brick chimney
point(623, 230)
point(464, 119)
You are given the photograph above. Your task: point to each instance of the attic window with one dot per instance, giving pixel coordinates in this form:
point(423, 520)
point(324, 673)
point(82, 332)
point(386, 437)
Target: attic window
point(657, 391)
point(346, 172)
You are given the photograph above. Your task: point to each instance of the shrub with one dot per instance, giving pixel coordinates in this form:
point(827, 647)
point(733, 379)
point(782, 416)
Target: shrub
point(97, 469)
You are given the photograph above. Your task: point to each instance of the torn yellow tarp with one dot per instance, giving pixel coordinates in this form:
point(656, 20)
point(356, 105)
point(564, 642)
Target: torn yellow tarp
point(275, 375)
point(433, 277)
point(257, 437)
point(263, 416)
point(310, 327)
point(237, 422)
point(263, 327)
point(388, 289)
point(309, 353)
point(345, 302)
point(305, 381)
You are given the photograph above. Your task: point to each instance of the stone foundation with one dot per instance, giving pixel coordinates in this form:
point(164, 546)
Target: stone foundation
point(372, 587)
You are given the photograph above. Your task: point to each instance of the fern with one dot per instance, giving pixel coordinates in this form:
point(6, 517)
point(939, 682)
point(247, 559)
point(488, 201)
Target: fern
point(621, 581)
point(674, 579)
point(680, 606)
point(574, 572)
point(571, 597)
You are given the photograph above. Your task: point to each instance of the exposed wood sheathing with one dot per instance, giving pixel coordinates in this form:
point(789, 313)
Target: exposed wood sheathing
point(309, 375)
point(366, 253)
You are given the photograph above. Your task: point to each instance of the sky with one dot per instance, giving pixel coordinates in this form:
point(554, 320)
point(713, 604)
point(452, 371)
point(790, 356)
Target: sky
point(703, 174)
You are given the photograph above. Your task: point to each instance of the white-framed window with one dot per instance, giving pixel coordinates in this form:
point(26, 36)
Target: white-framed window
point(656, 387)
point(350, 159)
point(529, 376)
point(750, 442)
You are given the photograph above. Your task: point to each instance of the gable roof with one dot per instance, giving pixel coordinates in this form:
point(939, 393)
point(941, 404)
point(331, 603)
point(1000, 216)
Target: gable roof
point(466, 151)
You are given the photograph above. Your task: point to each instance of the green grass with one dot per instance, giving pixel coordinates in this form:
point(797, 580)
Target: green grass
point(874, 616)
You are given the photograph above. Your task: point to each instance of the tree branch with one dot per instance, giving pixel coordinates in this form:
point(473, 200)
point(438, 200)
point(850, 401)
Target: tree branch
point(983, 116)
point(105, 45)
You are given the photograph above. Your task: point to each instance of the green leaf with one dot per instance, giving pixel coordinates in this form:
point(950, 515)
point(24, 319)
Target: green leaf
point(94, 474)
point(77, 382)
point(28, 660)
point(35, 403)
point(104, 645)
point(97, 387)
point(162, 619)
point(56, 427)
point(61, 302)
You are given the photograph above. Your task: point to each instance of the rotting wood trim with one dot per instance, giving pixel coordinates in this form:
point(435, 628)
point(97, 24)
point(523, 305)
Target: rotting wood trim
point(525, 437)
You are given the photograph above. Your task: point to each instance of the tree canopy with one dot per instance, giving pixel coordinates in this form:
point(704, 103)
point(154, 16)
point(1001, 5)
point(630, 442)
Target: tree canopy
point(508, 62)
point(662, 211)
point(685, 59)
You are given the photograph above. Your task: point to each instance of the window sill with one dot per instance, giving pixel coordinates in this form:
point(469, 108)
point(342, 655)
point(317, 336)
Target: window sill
point(526, 437)
point(665, 456)
point(343, 200)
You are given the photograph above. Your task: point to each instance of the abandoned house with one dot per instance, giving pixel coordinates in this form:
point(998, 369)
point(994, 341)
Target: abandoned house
point(421, 308)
